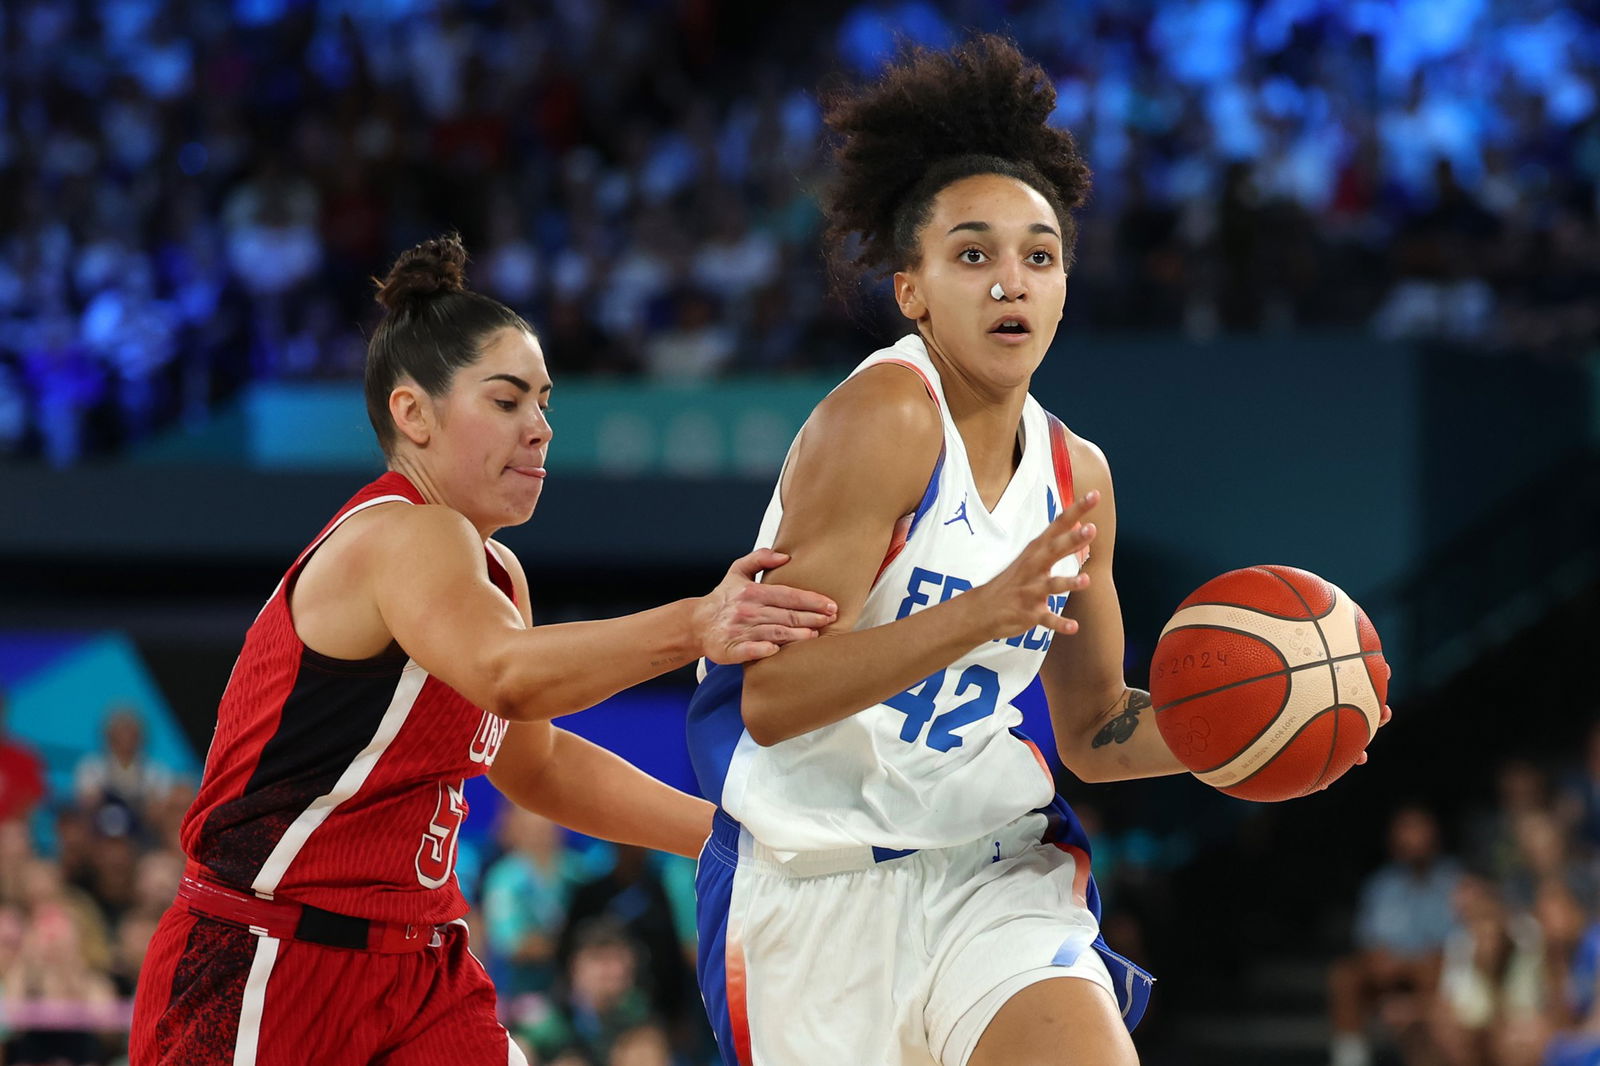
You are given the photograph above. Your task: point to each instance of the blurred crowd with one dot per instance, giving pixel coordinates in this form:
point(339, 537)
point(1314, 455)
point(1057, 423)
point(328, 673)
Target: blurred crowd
point(1487, 955)
point(194, 195)
point(591, 946)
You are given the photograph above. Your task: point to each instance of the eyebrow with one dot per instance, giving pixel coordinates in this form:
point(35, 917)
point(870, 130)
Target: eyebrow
point(984, 227)
point(518, 382)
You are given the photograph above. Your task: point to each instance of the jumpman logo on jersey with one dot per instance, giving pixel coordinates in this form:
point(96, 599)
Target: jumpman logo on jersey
point(961, 516)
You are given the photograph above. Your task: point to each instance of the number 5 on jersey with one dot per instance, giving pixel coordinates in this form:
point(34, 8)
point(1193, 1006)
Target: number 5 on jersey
point(436, 856)
point(919, 702)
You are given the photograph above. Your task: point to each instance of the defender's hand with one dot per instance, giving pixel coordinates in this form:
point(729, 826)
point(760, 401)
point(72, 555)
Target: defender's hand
point(742, 620)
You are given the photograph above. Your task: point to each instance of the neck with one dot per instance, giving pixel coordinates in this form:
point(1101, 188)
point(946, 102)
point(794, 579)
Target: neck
point(988, 416)
point(429, 487)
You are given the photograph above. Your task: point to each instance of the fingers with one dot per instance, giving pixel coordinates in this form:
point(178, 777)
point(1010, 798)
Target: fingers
point(1059, 585)
point(748, 566)
point(1061, 538)
point(1064, 626)
point(1383, 719)
point(748, 651)
point(791, 599)
point(1080, 507)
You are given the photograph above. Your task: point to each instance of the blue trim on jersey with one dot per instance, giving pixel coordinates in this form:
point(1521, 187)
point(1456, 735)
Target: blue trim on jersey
point(928, 495)
point(888, 854)
point(713, 891)
point(714, 726)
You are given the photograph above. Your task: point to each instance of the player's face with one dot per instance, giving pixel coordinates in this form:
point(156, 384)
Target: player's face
point(988, 229)
point(494, 433)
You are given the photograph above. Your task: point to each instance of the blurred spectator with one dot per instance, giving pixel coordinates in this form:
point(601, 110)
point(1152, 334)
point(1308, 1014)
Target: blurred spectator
point(56, 1001)
point(643, 1045)
point(525, 894)
point(21, 773)
point(1548, 860)
point(1492, 1001)
point(121, 786)
point(600, 998)
point(1520, 788)
point(1404, 918)
point(634, 895)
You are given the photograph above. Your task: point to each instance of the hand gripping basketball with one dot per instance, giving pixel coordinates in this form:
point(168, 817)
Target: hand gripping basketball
point(1019, 596)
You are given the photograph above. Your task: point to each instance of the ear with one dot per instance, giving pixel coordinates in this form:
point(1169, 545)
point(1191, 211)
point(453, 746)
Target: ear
point(412, 410)
point(909, 297)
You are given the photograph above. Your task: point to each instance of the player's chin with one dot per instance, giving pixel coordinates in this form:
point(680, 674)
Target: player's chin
point(516, 511)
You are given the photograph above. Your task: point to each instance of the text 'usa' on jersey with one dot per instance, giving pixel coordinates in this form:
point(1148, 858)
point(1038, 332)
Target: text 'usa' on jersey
point(940, 763)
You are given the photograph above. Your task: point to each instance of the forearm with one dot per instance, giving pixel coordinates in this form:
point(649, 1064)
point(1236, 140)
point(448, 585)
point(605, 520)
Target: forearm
point(809, 685)
point(551, 670)
point(586, 788)
point(1118, 744)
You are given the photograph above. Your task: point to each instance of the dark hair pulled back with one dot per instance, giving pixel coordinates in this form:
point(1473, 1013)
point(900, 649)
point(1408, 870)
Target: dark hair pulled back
point(932, 119)
point(433, 325)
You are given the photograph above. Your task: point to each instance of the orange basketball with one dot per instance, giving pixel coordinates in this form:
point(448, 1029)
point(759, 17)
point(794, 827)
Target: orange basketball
point(1268, 682)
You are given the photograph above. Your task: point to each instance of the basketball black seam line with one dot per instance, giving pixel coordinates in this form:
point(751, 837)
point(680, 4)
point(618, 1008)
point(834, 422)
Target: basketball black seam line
point(1333, 673)
point(1290, 672)
point(1285, 672)
point(1307, 725)
point(1253, 608)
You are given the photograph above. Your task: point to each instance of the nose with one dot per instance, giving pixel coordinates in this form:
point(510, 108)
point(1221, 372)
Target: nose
point(1014, 280)
point(540, 431)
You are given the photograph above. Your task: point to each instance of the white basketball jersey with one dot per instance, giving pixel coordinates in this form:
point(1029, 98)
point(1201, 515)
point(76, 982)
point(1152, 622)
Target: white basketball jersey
point(937, 764)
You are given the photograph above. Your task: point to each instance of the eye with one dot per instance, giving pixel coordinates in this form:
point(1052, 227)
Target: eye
point(971, 255)
point(1041, 258)
point(506, 405)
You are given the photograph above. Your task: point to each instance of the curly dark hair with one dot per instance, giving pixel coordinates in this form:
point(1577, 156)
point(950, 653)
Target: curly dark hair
point(932, 119)
point(433, 326)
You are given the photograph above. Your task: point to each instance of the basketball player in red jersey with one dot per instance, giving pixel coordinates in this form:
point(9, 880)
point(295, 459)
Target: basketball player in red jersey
point(319, 919)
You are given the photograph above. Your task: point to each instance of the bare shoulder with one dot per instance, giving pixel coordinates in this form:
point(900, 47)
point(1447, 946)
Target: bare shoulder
point(878, 434)
point(887, 400)
point(1090, 470)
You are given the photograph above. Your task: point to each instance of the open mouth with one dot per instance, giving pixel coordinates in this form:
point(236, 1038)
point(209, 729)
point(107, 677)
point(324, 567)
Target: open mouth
point(1011, 327)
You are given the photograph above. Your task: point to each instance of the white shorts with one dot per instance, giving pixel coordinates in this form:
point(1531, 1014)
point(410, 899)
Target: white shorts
point(865, 956)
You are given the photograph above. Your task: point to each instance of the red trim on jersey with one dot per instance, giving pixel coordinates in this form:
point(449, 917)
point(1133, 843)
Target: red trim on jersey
point(738, 1011)
point(1061, 459)
point(1080, 874)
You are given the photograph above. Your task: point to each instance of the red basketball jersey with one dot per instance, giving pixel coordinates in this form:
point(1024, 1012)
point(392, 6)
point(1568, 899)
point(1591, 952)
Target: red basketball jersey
point(338, 783)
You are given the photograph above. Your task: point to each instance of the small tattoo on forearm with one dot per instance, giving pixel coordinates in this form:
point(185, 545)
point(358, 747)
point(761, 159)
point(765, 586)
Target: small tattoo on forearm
point(1120, 728)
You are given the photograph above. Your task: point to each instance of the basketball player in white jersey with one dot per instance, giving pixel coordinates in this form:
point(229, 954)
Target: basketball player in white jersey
point(891, 878)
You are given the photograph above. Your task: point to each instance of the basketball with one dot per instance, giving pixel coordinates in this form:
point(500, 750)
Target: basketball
point(1268, 682)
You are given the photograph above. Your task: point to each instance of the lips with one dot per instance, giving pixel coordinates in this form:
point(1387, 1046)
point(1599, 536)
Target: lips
point(528, 471)
point(1012, 325)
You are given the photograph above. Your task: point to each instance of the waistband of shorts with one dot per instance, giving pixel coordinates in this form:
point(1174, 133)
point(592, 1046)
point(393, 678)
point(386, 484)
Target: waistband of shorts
point(726, 832)
point(286, 920)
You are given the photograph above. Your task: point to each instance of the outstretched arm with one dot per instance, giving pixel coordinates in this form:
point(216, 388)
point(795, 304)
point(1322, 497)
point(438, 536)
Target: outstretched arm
point(584, 787)
point(425, 573)
point(1105, 731)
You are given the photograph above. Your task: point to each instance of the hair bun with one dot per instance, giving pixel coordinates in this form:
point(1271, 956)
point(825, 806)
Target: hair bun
point(435, 266)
